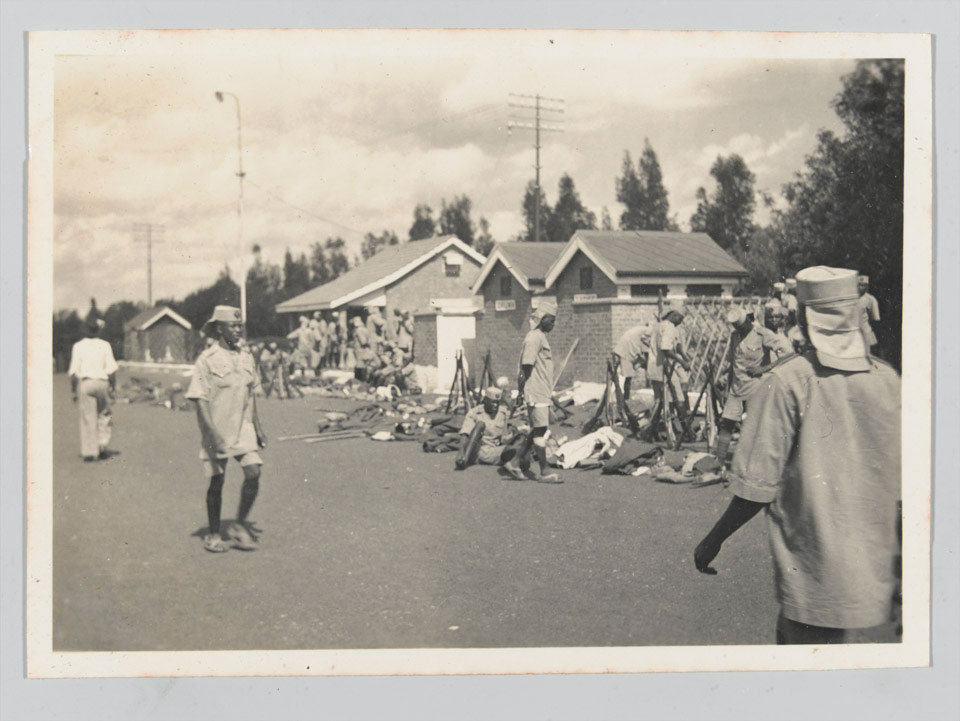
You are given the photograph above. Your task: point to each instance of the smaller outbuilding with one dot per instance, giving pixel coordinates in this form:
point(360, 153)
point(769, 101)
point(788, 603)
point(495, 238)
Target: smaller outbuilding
point(158, 335)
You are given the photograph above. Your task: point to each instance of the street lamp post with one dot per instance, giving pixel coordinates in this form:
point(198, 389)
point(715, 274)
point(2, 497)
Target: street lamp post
point(240, 174)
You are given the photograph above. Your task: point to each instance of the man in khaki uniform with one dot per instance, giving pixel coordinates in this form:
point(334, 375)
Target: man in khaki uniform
point(535, 383)
point(753, 350)
point(820, 451)
point(224, 387)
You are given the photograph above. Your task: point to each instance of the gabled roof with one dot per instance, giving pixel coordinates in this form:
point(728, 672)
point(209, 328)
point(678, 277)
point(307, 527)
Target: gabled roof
point(146, 318)
point(527, 262)
point(386, 267)
point(624, 254)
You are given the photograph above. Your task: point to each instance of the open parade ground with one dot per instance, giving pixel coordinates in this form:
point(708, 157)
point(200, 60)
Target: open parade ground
point(380, 545)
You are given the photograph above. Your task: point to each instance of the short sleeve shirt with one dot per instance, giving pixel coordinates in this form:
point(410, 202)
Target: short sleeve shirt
point(228, 380)
point(822, 447)
point(494, 428)
point(756, 349)
point(633, 343)
point(92, 358)
point(537, 353)
point(664, 337)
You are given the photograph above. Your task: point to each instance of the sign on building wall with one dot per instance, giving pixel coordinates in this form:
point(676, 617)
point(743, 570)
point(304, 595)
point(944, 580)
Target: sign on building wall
point(505, 305)
point(537, 299)
point(580, 297)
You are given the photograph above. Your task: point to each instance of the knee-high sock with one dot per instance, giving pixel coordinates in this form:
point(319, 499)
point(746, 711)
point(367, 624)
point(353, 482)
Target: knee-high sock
point(248, 494)
point(214, 497)
point(723, 439)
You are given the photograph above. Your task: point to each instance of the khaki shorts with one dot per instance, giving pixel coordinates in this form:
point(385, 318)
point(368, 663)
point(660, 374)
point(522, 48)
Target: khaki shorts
point(733, 408)
point(539, 415)
point(490, 455)
point(218, 466)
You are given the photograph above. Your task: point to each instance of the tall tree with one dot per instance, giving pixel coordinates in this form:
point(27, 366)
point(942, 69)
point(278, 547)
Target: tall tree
point(67, 330)
point(115, 317)
point(846, 207)
point(606, 222)
point(264, 285)
point(655, 211)
point(630, 193)
point(569, 214)
point(423, 223)
point(530, 213)
point(296, 274)
point(727, 214)
point(643, 193)
point(372, 244)
point(484, 241)
point(455, 219)
point(337, 260)
point(198, 306)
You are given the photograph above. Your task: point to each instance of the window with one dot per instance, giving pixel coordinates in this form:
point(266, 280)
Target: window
point(586, 278)
point(452, 260)
point(637, 291)
point(711, 290)
point(506, 286)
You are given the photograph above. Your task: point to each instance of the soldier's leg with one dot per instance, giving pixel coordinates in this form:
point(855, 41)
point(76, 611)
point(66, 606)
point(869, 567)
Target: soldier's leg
point(793, 632)
point(89, 430)
point(250, 488)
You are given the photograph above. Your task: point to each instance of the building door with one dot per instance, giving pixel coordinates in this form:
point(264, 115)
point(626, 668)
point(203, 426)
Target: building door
point(451, 331)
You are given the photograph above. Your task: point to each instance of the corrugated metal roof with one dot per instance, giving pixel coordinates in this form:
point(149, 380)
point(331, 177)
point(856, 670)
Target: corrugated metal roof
point(368, 273)
point(635, 252)
point(532, 259)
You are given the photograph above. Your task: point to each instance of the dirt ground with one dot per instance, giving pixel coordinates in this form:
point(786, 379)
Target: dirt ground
point(379, 545)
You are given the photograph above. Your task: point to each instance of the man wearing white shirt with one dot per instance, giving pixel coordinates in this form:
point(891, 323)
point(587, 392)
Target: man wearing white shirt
point(93, 380)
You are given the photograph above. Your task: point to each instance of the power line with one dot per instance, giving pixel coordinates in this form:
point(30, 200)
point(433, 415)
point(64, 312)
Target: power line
point(303, 210)
point(540, 106)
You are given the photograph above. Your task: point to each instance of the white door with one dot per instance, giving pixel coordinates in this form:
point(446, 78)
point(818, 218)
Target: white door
point(451, 331)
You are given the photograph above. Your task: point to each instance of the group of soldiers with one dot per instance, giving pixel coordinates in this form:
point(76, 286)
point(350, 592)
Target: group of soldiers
point(382, 349)
point(819, 449)
point(379, 350)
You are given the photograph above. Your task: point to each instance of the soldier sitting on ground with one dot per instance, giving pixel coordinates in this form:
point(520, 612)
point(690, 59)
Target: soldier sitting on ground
point(483, 433)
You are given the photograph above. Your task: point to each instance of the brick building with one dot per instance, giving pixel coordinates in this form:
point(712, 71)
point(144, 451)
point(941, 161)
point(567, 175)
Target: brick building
point(510, 284)
point(407, 276)
point(158, 335)
point(604, 282)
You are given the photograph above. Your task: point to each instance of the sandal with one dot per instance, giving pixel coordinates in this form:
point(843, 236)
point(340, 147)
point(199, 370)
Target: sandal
point(241, 539)
point(214, 543)
point(548, 478)
point(513, 473)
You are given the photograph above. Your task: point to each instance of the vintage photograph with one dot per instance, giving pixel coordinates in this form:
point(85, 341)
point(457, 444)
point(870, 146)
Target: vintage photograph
point(493, 342)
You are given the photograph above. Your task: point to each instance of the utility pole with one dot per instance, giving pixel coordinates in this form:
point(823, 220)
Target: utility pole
point(150, 234)
point(219, 94)
point(540, 105)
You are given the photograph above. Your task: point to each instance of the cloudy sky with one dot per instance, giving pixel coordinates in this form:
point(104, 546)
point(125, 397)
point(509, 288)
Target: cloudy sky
point(345, 134)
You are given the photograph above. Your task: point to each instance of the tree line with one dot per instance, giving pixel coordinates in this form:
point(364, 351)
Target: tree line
point(844, 208)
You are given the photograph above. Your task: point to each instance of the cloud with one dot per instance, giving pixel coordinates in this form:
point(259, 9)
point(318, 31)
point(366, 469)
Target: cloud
point(341, 138)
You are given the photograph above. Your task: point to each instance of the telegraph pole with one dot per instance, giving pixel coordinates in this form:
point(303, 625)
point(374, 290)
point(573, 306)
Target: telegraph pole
point(150, 234)
point(540, 105)
point(219, 94)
